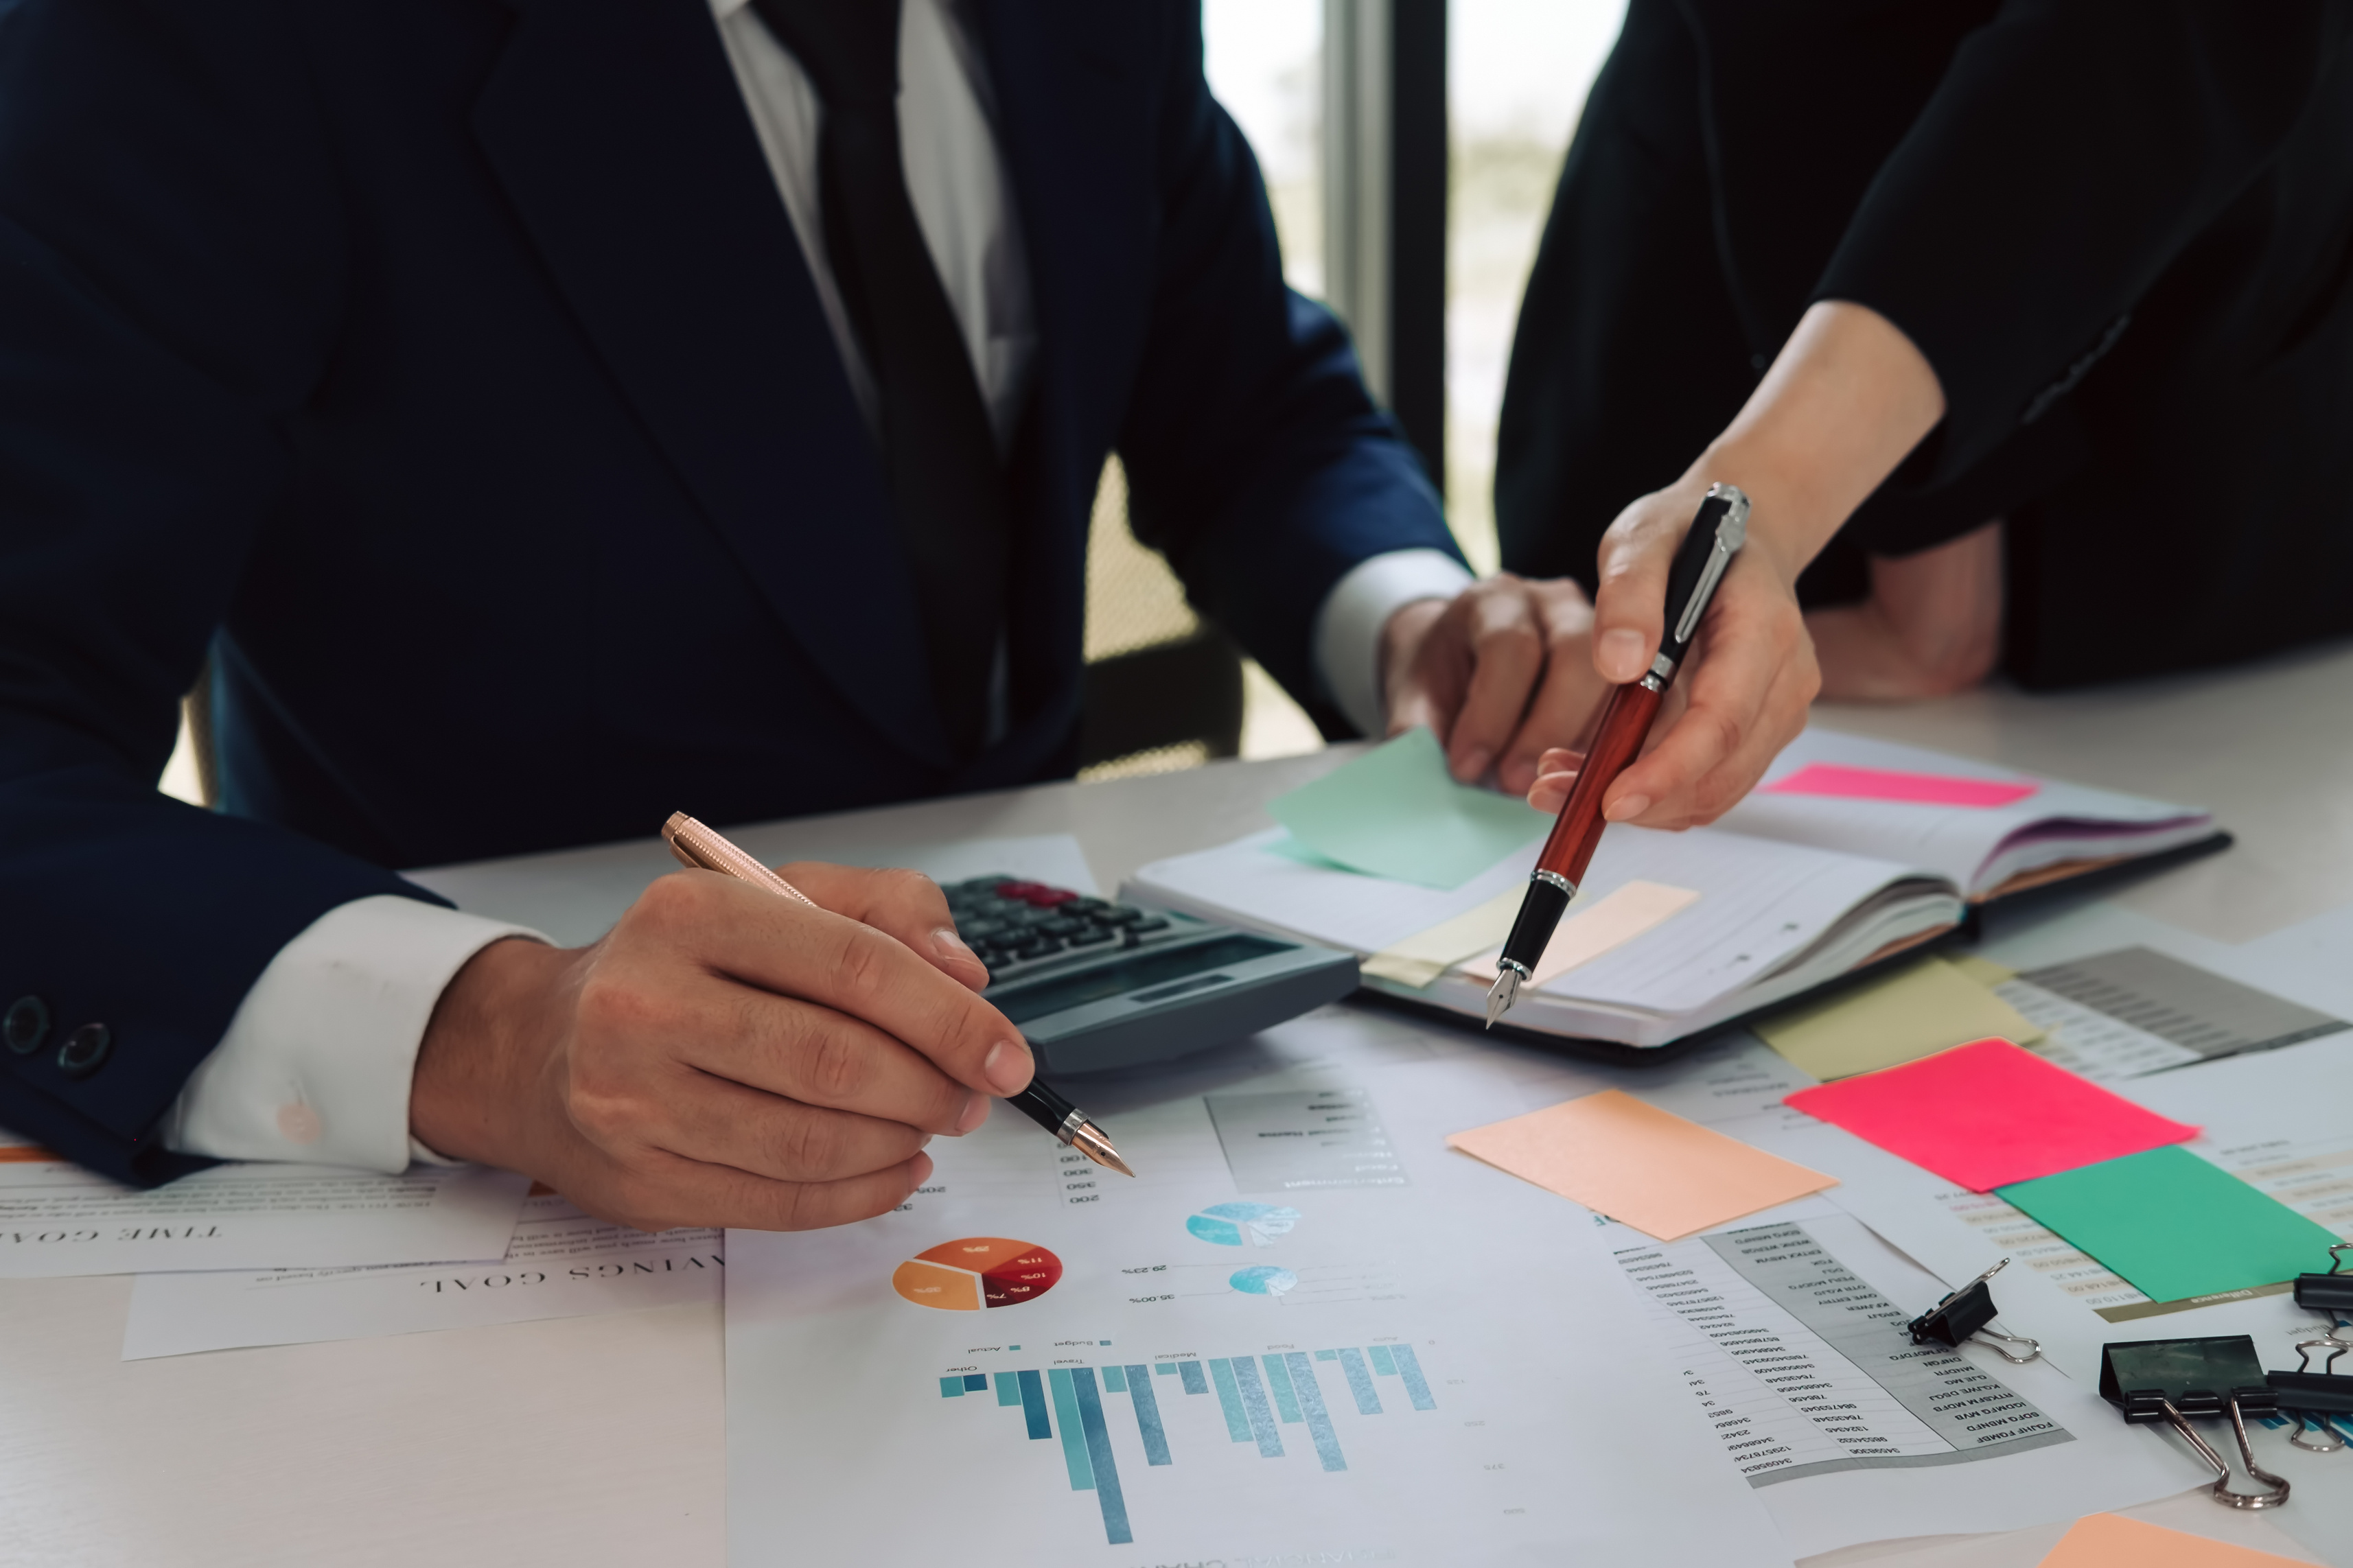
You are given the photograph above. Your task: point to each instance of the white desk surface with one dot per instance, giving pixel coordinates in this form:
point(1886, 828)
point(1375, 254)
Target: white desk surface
point(597, 1441)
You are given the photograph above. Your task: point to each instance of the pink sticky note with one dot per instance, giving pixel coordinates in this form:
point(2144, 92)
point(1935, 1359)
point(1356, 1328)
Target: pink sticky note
point(1879, 783)
point(1989, 1114)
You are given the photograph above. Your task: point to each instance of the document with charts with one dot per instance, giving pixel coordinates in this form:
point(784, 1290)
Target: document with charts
point(57, 1218)
point(560, 1263)
point(1306, 1333)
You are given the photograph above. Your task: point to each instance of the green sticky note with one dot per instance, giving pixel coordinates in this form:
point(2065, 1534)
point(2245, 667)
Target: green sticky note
point(2173, 1227)
point(1396, 813)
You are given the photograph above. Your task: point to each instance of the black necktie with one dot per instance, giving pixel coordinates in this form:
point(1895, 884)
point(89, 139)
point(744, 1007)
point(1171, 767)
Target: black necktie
point(939, 453)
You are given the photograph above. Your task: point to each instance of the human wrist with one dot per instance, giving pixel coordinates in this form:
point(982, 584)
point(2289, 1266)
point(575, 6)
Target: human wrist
point(474, 1065)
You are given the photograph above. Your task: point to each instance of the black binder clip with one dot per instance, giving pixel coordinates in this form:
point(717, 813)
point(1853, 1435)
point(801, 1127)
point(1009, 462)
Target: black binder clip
point(2312, 1396)
point(2172, 1380)
point(1967, 1313)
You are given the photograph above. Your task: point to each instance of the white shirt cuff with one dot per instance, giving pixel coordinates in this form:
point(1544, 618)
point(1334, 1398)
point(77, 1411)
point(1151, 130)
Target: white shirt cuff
point(317, 1062)
point(1349, 627)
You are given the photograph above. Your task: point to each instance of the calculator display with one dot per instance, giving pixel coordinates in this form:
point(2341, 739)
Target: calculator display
point(1037, 999)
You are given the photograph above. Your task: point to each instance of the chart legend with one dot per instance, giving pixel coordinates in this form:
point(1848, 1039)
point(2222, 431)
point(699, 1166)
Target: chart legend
point(978, 1272)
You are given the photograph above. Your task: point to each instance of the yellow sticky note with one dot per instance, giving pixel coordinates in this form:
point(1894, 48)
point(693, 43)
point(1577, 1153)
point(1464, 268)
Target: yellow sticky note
point(1642, 1166)
point(1922, 1008)
point(1588, 930)
point(1425, 955)
point(1984, 971)
point(2112, 1541)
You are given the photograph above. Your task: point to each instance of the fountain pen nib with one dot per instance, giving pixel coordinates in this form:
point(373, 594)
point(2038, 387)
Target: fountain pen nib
point(1502, 994)
point(1088, 1140)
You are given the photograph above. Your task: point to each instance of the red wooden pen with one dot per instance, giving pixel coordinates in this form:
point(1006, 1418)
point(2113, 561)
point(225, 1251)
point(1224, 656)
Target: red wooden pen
point(1715, 537)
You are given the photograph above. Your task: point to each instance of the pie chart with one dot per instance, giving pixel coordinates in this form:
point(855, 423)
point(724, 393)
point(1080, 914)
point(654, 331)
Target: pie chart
point(1225, 1225)
point(977, 1271)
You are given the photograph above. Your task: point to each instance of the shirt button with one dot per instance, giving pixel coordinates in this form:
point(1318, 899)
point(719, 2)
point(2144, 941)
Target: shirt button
point(85, 1050)
point(25, 1025)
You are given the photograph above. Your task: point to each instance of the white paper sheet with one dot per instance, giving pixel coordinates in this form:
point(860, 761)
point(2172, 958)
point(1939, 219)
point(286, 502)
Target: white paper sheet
point(1787, 1328)
point(1538, 1439)
point(2277, 1119)
point(560, 1263)
point(1976, 846)
point(58, 1219)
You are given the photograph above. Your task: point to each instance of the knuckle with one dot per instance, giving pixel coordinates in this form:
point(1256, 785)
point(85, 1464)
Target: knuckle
point(812, 1147)
point(835, 1064)
point(861, 966)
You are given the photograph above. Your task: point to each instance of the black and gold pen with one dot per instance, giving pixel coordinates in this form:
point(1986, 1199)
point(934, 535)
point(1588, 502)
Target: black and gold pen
point(704, 849)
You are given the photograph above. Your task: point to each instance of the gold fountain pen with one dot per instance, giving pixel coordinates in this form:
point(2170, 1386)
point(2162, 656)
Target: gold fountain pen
point(704, 849)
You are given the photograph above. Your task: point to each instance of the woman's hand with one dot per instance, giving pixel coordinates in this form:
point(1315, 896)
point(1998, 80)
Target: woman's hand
point(1846, 398)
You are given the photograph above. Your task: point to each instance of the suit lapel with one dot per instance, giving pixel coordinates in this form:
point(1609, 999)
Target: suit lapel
point(620, 135)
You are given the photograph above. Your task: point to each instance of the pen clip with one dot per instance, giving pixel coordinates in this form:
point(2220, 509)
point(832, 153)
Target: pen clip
point(1731, 532)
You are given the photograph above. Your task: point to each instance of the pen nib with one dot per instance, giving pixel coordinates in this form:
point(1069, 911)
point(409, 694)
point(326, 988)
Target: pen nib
point(1502, 994)
point(1088, 1140)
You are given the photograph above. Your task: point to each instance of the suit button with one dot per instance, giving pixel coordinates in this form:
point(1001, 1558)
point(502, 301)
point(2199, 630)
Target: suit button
point(85, 1050)
point(26, 1025)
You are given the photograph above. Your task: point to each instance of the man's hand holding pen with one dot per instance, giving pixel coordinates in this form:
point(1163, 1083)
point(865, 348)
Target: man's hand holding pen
point(723, 1056)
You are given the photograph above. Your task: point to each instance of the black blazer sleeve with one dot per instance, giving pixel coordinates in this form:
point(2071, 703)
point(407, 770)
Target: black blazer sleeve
point(1255, 459)
point(2073, 150)
point(169, 288)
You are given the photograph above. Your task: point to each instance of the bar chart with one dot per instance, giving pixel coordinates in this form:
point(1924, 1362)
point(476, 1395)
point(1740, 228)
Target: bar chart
point(1255, 1395)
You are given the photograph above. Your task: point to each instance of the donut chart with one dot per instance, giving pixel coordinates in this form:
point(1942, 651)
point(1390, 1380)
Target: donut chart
point(976, 1272)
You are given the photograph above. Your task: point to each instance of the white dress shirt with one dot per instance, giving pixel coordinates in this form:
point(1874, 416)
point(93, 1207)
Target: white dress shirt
point(317, 1062)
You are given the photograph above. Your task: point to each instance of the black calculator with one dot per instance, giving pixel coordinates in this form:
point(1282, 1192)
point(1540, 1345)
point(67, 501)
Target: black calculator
point(1091, 983)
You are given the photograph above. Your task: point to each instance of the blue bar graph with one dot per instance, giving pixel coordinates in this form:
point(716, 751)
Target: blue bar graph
point(1147, 1414)
point(1327, 1355)
point(1360, 1382)
point(1311, 1404)
point(1190, 1373)
point(1165, 1369)
point(1383, 1363)
point(950, 1388)
point(1074, 1440)
point(1278, 1378)
point(1033, 1405)
point(1229, 1399)
point(1106, 1470)
point(1262, 1417)
point(1008, 1389)
point(1410, 1369)
point(976, 1383)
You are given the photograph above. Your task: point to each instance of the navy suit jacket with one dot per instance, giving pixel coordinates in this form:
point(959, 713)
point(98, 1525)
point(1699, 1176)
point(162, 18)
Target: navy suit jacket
point(448, 369)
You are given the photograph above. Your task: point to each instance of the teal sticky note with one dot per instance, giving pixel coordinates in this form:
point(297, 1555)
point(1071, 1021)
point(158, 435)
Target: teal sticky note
point(1396, 812)
point(2173, 1227)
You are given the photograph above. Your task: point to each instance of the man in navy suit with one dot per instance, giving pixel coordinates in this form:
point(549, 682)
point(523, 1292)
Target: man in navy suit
point(544, 413)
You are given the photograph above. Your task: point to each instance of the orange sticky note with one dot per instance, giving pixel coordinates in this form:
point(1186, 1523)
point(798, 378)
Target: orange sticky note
point(1642, 1166)
point(2112, 1541)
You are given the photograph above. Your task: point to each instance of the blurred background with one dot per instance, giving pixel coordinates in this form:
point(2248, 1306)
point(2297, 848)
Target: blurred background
point(1326, 91)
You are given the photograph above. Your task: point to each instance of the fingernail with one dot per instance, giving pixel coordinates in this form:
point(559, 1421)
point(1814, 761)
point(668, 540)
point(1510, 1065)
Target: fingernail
point(1474, 767)
point(975, 1111)
point(1007, 1067)
point(1621, 655)
point(1626, 808)
point(947, 945)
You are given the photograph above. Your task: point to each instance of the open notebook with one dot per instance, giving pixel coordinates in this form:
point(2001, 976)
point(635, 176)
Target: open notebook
point(1792, 890)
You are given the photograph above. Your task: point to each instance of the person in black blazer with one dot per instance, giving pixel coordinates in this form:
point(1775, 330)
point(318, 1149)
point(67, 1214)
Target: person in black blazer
point(454, 377)
point(2027, 323)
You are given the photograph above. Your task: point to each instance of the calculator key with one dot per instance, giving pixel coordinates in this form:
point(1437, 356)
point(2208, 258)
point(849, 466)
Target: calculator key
point(981, 931)
point(1087, 935)
point(1033, 918)
point(1155, 923)
point(1118, 915)
point(1064, 927)
point(1037, 949)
